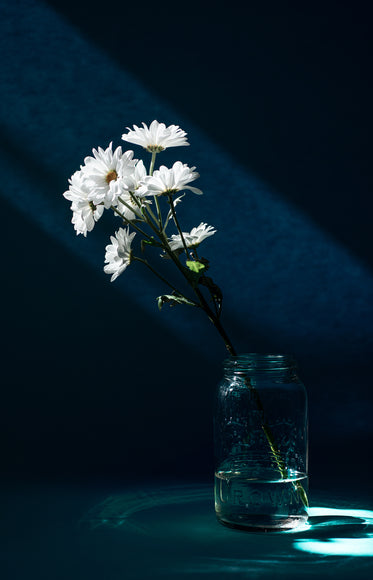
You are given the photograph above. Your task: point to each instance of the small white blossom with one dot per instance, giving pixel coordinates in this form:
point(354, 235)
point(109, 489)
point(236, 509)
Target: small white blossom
point(131, 184)
point(156, 137)
point(127, 212)
point(118, 254)
point(85, 212)
point(105, 170)
point(134, 180)
point(192, 239)
point(165, 181)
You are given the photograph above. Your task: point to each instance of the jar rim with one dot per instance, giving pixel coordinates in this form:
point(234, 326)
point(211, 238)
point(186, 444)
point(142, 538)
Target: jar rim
point(255, 360)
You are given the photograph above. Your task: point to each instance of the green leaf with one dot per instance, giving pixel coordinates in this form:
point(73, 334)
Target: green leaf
point(172, 300)
point(195, 266)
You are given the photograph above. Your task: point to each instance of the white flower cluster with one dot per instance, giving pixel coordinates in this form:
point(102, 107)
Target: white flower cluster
point(116, 180)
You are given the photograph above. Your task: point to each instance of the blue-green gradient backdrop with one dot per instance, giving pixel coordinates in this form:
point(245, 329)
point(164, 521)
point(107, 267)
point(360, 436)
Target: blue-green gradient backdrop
point(276, 99)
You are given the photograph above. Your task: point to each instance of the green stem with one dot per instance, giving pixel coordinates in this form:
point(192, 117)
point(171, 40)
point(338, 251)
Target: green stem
point(195, 253)
point(135, 200)
point(151, 169)
point(131, 208)
point(152, 162)
point(216, 322)
point(281, 465)
point(146, 263)
point(153, 221)
point(202, 302)
point(130, 223)
point(158, 212)
point(172, 206)
point(267, 430)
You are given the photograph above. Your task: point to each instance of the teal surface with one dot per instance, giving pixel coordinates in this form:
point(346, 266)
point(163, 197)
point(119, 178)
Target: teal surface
point(163, 531)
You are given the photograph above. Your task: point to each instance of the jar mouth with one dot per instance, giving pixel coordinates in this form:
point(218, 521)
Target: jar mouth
point(260, 361)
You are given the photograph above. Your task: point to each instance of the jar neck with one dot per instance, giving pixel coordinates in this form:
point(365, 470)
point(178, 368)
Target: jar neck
point(254, 363)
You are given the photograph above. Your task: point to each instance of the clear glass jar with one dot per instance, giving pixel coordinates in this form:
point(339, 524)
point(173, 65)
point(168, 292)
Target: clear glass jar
point(261, 444)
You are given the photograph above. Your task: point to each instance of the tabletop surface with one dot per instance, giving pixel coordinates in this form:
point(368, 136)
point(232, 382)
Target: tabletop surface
point(81, 531)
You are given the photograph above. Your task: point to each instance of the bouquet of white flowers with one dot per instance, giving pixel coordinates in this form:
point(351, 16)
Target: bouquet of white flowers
point(146, 203)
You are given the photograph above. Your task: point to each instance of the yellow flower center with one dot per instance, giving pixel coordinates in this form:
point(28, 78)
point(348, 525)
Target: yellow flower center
point(154, 148)
point(111, 176)
point(169, 192)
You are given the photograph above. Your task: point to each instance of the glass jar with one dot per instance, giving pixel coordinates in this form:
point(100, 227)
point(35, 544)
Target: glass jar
point(261, 444)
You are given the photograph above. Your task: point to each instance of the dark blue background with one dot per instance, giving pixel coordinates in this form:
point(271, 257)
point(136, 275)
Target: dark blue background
point(276, 99)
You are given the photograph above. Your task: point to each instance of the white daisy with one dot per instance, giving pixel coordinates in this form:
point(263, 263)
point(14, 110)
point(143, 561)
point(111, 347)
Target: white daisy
point(165, 181)
point(85, 212)
point(192, 239)
point(105, 170)
point(157, 137)
point(118, 254)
